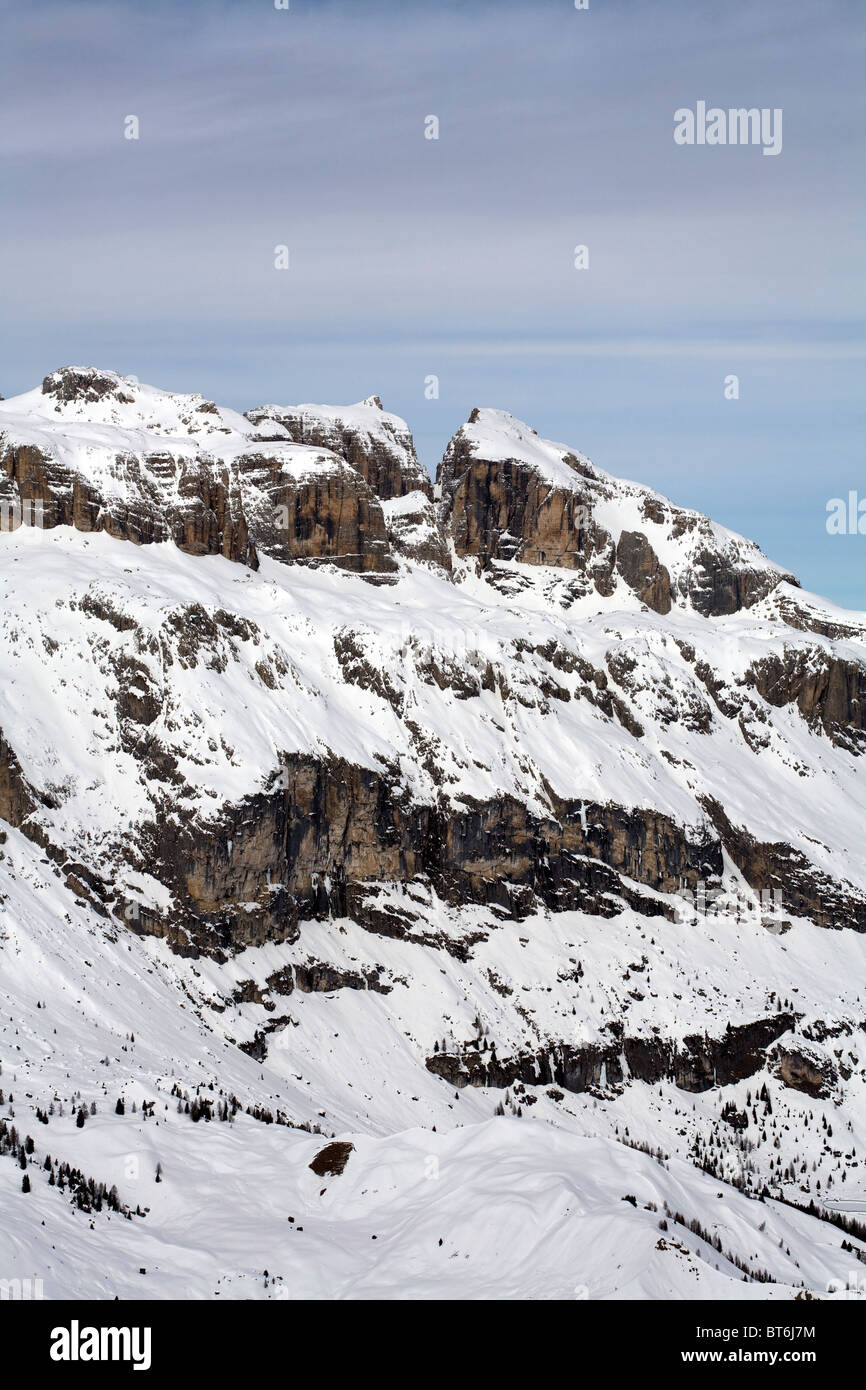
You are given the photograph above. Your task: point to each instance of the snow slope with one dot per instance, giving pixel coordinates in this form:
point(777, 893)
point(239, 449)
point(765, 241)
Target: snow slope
point(493, 1042)
point(473, 1207)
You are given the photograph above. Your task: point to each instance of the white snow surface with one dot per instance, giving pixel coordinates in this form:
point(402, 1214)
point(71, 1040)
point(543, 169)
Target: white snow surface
point(228, 727)
point(552, 1204)
point(366, 418)
point(463, 1200)
point(97, 439)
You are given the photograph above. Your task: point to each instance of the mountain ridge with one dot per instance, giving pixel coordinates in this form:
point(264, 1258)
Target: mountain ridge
point(530, 788)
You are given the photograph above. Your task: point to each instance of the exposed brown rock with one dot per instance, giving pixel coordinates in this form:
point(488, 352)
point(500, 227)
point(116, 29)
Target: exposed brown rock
point(318, 977)
point(715, 586)
point(210, 496)
point(196, 505)
point(802, 1072)
point(82, 384)
point(829, 690)
point(328, 517)
point(329, 827)
point(388, 465)
point(332, 1159)
point(16, 799)
point(505, 509)
point(639, 566)
point(778, 867)
point(801, 615)
point(698, 1063)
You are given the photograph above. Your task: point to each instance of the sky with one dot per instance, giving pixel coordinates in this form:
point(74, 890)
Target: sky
point(454, 257)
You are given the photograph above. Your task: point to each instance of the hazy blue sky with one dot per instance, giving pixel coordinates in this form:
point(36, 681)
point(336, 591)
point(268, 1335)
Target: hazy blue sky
point(409, 257)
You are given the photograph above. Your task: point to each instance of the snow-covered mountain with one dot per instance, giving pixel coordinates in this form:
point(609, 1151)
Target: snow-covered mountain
point(506, 830)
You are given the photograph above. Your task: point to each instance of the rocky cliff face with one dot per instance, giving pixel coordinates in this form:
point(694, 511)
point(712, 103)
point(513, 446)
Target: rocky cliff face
point(376, 444)
point(515, 784)
point(828, 689)
point(700, 1064)
point(16, 801)
point(510, 496)
point(98, 452)
point(314, 511)
point(310, 848)
point(380, 448)
point(204, 516)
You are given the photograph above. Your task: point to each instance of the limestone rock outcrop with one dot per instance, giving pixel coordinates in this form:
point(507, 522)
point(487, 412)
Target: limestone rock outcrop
point(372, 441)
point(510, 496)
point(100, 452)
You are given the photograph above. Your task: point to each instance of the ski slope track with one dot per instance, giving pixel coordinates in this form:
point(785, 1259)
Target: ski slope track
point(414, 889)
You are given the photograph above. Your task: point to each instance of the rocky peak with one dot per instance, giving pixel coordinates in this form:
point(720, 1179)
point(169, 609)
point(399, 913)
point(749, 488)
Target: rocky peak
point(84, 384)
point(508, 495)
point(86, 398)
